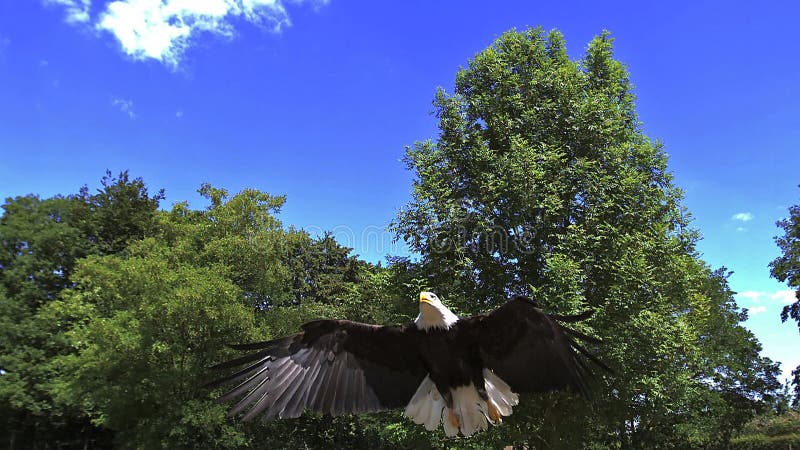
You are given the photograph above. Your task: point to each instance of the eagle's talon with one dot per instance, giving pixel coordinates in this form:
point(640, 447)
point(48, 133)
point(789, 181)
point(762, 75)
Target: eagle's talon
point(494, 414)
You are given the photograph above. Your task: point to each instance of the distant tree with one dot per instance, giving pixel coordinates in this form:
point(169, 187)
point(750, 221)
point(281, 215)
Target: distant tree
point(542, 182)
point(786, 268)
point(770, 431)
point(120, 212)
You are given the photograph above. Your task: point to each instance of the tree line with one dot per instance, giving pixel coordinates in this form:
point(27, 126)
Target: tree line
point(541, 182)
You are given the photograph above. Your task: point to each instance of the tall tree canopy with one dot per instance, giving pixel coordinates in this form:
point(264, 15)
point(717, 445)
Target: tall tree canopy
point(542, 182)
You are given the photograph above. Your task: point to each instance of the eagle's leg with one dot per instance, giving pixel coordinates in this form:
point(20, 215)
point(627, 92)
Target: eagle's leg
point(494, 414)
point(453, 417)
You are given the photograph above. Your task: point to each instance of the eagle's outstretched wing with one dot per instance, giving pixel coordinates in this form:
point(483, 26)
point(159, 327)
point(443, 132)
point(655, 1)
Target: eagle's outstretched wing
point(531, 350)
point(332, 366)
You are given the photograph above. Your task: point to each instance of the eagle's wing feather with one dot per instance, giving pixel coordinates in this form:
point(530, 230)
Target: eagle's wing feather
point(532, 351)
point(332, 366)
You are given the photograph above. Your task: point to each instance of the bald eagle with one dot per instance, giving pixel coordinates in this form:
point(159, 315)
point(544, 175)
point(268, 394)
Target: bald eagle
point(462, 373)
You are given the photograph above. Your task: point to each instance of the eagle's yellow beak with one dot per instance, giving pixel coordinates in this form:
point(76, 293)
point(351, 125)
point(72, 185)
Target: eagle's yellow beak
point(425, 297)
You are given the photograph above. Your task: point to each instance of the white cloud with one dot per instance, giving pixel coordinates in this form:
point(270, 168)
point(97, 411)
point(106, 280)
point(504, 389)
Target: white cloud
point(756, 309)
point(753, 296)
point(784, 296)
point(741, 229)
point(77, 10)
point(743, 216)
point(179, 114)
point(126, 106)
point(164, 29)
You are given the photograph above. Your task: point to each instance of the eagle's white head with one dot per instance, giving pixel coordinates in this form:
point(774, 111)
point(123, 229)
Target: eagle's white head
point(433, 314)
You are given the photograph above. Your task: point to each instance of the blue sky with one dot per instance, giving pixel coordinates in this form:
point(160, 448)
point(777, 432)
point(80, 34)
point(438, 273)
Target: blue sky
point(317, 100)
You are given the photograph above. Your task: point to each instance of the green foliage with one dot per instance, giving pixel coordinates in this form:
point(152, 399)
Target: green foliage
point(770, 432)
point(144, 330)
point(120, 212)
point(142, 326)
point(40, 242)
point(774, 424)
point(537, 155)
point(763, 442)
point(786, 268)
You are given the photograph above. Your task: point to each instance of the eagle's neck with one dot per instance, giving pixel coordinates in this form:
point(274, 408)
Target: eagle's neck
point(431, 317)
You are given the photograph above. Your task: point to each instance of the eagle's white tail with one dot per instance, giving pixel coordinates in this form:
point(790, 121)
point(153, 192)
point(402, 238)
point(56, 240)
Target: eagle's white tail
point(499, 393)
point(427, 407)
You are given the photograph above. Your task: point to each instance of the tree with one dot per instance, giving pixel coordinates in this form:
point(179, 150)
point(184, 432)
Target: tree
point(120, 212)
point(145, 327)
point(111, 311)
point(40, 242)
point(786, 268)
point(146, 323)
point(542, 183)
point(770, 431)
